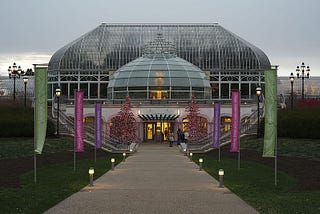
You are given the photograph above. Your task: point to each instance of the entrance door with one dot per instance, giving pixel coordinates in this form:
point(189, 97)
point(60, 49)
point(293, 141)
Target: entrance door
point(157, 131)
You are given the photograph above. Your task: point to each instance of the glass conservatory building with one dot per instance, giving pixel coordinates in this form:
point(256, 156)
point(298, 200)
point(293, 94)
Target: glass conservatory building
point(160, 67)
point(227, 62)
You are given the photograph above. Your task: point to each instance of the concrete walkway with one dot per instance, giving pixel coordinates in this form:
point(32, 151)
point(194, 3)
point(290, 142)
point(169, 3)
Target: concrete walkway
point(156, 179)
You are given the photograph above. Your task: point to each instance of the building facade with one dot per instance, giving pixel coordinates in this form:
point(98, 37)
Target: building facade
point(160, 66)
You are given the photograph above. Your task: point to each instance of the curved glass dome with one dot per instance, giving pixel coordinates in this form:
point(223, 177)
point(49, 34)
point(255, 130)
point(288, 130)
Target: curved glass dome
point(89, 61)
point(159, 76)
point(110, 46)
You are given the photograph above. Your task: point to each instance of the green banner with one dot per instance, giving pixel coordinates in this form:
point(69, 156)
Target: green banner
point(41, 107)
point(270, 127)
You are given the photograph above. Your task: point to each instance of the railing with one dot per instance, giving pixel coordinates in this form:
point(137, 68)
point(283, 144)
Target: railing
point(110, 145)
point(248, 127)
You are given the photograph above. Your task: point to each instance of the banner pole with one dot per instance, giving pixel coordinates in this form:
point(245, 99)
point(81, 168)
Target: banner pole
point(74, 158)
point(276, 143)
point(239, 156)
point(34, 130)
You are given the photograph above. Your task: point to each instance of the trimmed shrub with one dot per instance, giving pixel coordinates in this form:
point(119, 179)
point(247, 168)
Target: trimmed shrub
point(17, 121)
point(297, 123)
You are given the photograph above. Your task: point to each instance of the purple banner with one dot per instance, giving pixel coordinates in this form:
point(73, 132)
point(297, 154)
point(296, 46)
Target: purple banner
point(97, 125)
point(216, 125)
point(235, 124)
point(79, 121)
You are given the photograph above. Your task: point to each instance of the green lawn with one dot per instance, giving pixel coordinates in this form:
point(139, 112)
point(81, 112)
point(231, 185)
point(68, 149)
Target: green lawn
point(54, 183)
point(254, 183)
point(303, 148)
point(23, 147)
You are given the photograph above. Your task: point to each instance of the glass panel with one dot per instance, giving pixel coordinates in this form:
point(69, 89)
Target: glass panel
point(180, 81)
point(139, 74)
point(159, 74)
point(121, 82)
point(93, 90)
point(137, 82)
point(225, 91)
point(103, 90)
point(159, 81)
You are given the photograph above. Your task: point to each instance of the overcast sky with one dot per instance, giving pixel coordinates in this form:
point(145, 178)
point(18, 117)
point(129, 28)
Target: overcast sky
point(286, 30)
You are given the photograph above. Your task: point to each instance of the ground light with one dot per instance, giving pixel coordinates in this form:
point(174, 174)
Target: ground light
point(124, 156)
point(113, 160)
point(200, 164)
point(190, 156)
point(25, 81)
point(185, 152)
point(221, 174)
point(91, 172)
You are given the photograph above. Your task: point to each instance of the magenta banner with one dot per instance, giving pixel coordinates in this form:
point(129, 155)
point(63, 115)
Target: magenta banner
point(216, 125)
point(79, 122)
point(97, 123)
point(235, 124)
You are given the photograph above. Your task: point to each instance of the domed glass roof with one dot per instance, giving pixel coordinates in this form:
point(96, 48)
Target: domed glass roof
point(110, 46)
point(159, 74)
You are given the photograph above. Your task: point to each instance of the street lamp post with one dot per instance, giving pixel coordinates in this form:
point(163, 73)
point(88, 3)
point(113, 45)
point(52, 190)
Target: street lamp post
point(291, 81)
point(58, 93)
point(258, 92)
point(300, 74)
point(14, 72)
point(25, 81)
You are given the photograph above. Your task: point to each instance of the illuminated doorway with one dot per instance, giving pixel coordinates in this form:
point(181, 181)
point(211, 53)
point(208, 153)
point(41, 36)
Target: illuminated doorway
point(157, 131)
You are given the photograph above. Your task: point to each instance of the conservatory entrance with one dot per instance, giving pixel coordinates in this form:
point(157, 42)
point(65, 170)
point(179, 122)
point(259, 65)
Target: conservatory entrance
point(156, 128)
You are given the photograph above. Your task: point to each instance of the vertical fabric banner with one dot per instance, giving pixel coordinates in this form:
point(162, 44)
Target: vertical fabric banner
point(216, 125)
point(270, 126)
point(79, 144)
point(97, 122)
point(41, 107)
point(235, 124)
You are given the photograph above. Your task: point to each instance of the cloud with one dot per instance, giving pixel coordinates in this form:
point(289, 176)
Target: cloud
point(25, 60)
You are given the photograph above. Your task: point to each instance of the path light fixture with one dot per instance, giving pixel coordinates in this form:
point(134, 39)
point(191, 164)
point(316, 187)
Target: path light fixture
point(124, 156)
point(291, 81)
point(258, 92)
point(221, 174)
point(58, 93)
point(301, 74)
point(91, 172)
point(200, 164)
point(25, 81)
point(131, 150)
point(185, 152)
point(14, 71)
point(190, 156)
point(113, 160)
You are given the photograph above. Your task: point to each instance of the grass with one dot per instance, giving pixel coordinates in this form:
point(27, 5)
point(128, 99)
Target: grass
point(303, 148)
point(254, 183)
point(23, 147)
point(54, 183)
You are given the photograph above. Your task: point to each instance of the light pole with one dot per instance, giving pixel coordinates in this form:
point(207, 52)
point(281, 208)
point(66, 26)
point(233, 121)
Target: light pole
point(13, 72)
point(258, 92)
point(25, 81)
point(302, 76)
point(291, 81)
point(58, 93)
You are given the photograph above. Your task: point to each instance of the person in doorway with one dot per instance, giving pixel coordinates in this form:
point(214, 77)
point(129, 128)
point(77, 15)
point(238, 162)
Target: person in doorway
point(186, 136)
point(179, 136)
point(171, 138)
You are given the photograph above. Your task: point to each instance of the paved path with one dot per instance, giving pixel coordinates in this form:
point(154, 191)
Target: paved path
point(157, 179)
